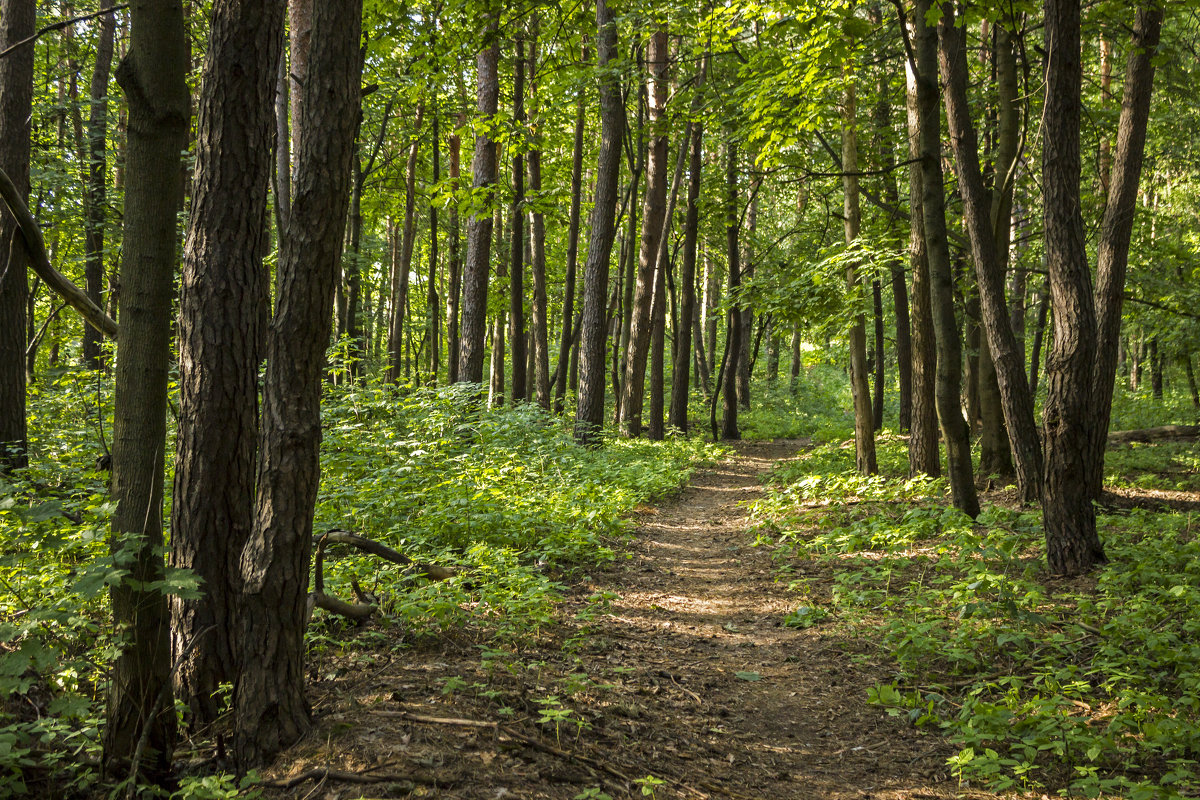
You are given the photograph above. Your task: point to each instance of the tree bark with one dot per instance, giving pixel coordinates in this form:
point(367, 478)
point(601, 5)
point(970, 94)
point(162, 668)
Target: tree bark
point(589, 417)
point(400, 275)
point(864, 426)
point(733, 336)
point(94, 208)
point(537, 250)
point(431, 296)
point(568, 315)
point(677, 417)
point(516, 297)
point(454, 290)
point(223, 283)
point(270, 709)
point(17, 19)
point(152, 74)
point(988, 220)
point(1072, 443)
point(949, 347)
point(745, 357)
point(479, 224)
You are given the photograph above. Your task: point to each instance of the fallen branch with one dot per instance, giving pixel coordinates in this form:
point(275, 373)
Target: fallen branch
point(35, 245)
point(1183, 432)
point(431, 571)
point(326, 773)
point(466, 723)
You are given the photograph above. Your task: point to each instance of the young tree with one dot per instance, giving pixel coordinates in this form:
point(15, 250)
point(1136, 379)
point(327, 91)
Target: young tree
point(223, 287)
point(270, 709)
point(733, 336)
point(95, 192)
point(152, 75)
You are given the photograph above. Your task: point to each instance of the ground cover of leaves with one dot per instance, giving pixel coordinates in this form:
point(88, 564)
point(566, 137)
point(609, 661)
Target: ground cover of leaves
point(667, 674)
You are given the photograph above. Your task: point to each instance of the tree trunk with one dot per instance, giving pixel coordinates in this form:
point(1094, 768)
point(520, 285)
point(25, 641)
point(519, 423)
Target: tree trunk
point(1191, 380)
point(589, 417)
point(733, 336)
point(537, 251)
point(496, 367)
point(1117, 224)
point(454, 291)
point(877, 390)
point(988, 221)
point(864, 427)
point(923, 448)
point(17, 18)
point(688, 319)
point(745, 359)
point(794, 376)
point(94, 207)
point(516, 308)
point(300, 25)
point(1039, 333)
point(1072, 443)
point(568, 334)
point(152, 75)
point(941, 290)
point(479, 225)
point(400, 275)
point(431, 296)
point(270, 709)
point(222, 284)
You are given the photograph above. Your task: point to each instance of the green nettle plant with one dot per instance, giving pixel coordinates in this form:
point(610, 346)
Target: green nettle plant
point(1090, 691)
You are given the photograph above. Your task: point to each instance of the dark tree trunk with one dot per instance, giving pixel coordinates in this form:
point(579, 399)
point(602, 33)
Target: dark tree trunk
point(479, 225)
point(1072, 443)
point(1156, 371)
point(688, 319)
point(880, 361)
point(1039, 333)
point(516, 298)
point(941, 290)
point(152, 75)
point(1191, 380)
point(988, 220)
point(864, 428)
point(1117, 224)
point(923, 457)
point(431, 296)
point(589, 417)
point(496, 367)
point(219, 312)
point(653, 211)
point(745, 357)
point(17, 18)
point(269, 704)
point(794, 376)
point(454, 291)
point(282, 185)
point(537, 260)
point(400, 276)
point(733, 336)
point(94, 207)
point(568, 334)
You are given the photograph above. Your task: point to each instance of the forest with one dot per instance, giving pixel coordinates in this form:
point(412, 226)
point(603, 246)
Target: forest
point(451, 398)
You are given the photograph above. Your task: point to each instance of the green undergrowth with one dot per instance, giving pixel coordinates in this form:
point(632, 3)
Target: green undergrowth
point(504, 496)
point(1088, 687)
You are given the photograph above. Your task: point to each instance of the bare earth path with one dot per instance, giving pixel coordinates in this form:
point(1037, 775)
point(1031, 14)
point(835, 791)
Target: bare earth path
point(686, 675)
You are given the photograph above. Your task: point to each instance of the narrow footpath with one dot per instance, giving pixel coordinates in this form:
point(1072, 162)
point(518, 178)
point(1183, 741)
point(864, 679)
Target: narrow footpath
point(672, 672)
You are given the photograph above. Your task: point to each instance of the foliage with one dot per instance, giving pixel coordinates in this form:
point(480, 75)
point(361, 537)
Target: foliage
point(1090, 687)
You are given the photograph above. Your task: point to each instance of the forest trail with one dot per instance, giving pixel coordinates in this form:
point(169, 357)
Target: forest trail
point(678, 667)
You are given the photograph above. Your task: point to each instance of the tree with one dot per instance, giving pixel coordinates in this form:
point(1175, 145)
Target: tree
point(270, 708)
point(152, 75)
point(16, 101)
point(589, 415)
point(223, 287)
point(677, 416)
point(96, 191)
point(733, 336)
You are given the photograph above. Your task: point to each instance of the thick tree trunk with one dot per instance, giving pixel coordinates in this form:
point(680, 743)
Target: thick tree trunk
point(152, 74)
point(223, 283)
point(589, 417)
point(949, 346)
point(300, 24)
point(864, 427)
point(94, 208)
point(988, 220)
point(1117, 225)
point(733, 336)
point(270, 709)
point(472, 346)
point(17, 18)
point(568, 334)
point(400, 275)
point(688, 319)
point(1072, 443)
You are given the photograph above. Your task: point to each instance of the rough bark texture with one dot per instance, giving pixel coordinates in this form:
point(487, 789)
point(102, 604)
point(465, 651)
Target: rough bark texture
point(454, 290)
point(269, 704)
point(472, 346)
point(653, 211)
point(568, 315)
point(923, 458)
point(589, 416)
point(987, 225)
point(152, 76)
point(733, 336)
point(400, 275)
point(1117, 224)
point(688, 320)
point(94, 207)
point(537, 260)
point(1072, 545)
point(432, 328)
point(864, 425)
point(948, 384)
point(516, 285)
point(222, 286)
point(16, 97)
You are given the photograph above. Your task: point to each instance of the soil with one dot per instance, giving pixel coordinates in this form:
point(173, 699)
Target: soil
point(685, 674)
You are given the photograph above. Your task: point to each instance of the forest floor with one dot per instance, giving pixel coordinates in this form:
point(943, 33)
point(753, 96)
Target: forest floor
point(667, 674)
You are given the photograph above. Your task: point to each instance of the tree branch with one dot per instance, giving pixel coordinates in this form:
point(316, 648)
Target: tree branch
point(60, 25)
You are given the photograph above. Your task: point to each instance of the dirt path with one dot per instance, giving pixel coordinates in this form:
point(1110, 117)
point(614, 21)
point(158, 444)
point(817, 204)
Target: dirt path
point(680, 670)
